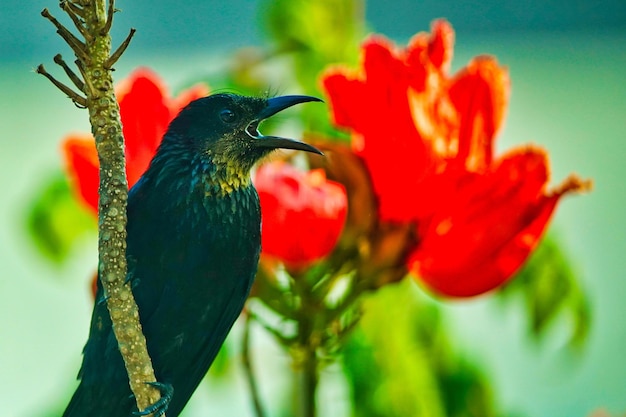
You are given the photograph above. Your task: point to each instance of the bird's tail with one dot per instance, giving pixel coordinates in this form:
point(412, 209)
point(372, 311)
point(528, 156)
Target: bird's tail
point(75, 408)
point(99, 402)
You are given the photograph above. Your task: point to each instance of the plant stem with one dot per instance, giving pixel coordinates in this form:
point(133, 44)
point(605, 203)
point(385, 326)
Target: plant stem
point(94, 60)
point(247, 366)
point(308, 384)
point(309, 343)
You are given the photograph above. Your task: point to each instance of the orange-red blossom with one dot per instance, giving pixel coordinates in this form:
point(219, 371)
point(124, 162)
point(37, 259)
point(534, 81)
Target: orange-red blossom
point(426, 138)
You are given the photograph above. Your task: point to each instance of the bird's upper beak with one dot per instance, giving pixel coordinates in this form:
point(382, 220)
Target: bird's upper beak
point(274, 105)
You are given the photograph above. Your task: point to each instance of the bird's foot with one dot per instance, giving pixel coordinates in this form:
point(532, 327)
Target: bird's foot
point(130, 276)
point(158, 408)
point(102, 300)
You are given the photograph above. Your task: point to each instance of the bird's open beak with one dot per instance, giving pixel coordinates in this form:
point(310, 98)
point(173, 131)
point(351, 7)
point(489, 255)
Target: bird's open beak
point(274, 105)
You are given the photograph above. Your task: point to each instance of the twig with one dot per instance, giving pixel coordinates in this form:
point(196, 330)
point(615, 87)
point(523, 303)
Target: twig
point(58, 59)
point(76, 18)
point(69, 6)
point(79, 48)
point(73, 95)
point(109, 22)
point(120, 50)
point(247, 366)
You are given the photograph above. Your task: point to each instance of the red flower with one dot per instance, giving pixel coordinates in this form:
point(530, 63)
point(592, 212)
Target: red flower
point(427, 141)
point(303, 213)
point(145, 110)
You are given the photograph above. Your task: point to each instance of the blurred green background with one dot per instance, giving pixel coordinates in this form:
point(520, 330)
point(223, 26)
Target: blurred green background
point(567, 62)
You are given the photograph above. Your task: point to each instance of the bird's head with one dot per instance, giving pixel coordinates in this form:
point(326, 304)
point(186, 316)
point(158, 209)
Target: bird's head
point(223, 129)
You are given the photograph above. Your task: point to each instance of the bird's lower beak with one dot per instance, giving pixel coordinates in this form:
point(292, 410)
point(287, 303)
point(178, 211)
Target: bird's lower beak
point(274, 105)
point(275, 142)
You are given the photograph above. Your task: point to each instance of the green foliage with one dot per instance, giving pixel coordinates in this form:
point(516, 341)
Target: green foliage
point(400, 363)
point(55, 220)
point(316, 32)
point(222, 364)
point(550, 290)
point(313, 35)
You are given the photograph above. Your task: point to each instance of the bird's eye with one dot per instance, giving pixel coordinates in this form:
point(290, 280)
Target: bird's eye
point(228, 116)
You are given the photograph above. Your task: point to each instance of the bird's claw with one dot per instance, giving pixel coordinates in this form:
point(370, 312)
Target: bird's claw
point(134, 281)
point(102, 300)
point(130, 277)
point(158, 408)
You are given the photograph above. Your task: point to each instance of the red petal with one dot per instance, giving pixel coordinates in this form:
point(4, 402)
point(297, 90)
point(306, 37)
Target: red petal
point(479, 94)
point(471, 280)
point(145, 116)
point(303, 213)
point(376, 108)
point(429, 56)
point(488, 227)
point(185, 97)
point(344, 91)
point(81, 161)
point(441, 45)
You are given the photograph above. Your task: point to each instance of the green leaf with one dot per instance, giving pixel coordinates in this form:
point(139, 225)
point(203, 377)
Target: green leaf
point(55, 220)
point(364, 376)
point(278, 298)
point(550, 290)
point(320, 32)
point(400, 362)
point(222, 364)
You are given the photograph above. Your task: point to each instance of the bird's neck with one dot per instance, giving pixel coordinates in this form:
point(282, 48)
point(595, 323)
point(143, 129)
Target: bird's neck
point(190, 172)
point(223, 176)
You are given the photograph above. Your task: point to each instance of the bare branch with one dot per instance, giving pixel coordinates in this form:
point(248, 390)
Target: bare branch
point(69, 6)
point(78, 22)
point(89, 88)
point(110, 12)
point(77, 46)
point(58, 59)
point(79, 100)
point(120, 50)
point(94, 61)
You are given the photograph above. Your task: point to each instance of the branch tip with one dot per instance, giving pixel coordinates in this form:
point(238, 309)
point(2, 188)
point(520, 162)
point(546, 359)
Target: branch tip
point(109, 22)
point(70, 7)
point(78, 100)
point(120, 50)
point(58, 59)
point(80, 25)
point(77, 46)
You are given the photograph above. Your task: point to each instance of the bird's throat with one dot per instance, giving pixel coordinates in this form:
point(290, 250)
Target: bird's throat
point(228, 176)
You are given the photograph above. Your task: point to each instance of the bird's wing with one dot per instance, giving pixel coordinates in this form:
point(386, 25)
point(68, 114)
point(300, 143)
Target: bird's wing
point(186, 366)
point(190, 282)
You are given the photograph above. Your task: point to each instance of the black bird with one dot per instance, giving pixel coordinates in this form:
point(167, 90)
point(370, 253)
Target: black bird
point(194, 238)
